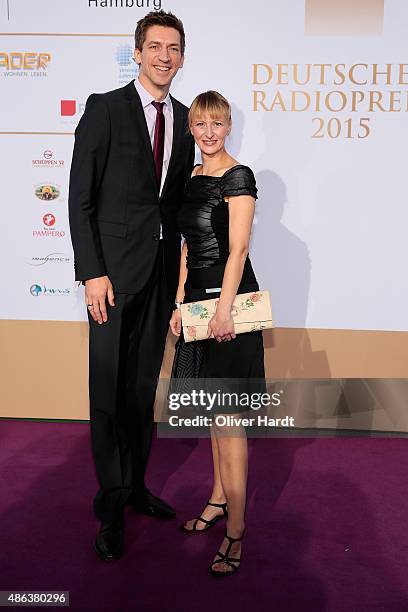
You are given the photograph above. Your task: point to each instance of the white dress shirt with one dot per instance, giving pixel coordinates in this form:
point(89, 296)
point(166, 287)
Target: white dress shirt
point(150, 114)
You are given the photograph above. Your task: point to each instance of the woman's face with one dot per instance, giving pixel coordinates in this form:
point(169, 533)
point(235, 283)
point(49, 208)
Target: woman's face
point(210, 133)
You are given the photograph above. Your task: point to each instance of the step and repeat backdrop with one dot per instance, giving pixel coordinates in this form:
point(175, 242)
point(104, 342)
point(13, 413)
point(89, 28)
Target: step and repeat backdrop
point(319, 92)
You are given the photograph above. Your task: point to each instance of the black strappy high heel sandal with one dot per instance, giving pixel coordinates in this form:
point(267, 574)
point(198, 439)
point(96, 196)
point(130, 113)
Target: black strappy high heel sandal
point(225, 558)
point(211, 522)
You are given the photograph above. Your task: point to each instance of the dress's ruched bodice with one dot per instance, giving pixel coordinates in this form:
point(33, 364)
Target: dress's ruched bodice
point(204, 217)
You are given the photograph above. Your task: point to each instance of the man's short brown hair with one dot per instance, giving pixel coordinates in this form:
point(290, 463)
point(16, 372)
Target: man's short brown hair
point(159, 18)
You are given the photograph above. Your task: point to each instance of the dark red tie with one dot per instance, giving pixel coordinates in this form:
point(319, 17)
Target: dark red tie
point(158, 143)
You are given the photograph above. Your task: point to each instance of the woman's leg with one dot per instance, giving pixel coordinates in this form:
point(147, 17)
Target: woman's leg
point(217, 496)
point(233, 462)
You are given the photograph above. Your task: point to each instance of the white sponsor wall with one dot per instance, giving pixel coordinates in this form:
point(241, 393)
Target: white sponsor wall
point(328, 147)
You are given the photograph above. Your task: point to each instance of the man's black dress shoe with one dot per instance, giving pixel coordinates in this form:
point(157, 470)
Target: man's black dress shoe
point(149, 504)
point(109, 541)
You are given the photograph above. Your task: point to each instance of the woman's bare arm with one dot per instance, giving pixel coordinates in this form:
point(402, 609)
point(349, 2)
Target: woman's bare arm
point(241, 215)
point(182, 274)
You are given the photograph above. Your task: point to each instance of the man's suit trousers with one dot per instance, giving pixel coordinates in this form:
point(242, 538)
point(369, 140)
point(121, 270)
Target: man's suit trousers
point(125, 356)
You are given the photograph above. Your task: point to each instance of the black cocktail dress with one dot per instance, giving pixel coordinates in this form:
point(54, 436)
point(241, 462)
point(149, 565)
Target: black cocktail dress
point(204, 221)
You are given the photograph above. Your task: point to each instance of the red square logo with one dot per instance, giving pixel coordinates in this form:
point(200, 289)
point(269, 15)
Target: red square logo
point(68, 108)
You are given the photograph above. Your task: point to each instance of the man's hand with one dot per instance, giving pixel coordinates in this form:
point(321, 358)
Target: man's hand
point(96, 290)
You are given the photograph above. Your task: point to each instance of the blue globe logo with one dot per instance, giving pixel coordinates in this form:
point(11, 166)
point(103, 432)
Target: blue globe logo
point(35, 290)
point(124, 54)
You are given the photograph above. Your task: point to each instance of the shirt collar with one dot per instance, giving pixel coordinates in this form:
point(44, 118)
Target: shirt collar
point(147, 97)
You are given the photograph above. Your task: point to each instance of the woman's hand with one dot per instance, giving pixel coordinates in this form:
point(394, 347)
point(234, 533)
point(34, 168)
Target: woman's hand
point(175, 322)
point(221, 327)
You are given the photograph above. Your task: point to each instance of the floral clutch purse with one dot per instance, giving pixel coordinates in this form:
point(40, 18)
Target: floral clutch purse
point(250, 312)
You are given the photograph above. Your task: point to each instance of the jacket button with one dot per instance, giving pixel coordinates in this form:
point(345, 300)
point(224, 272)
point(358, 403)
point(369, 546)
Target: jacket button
point(156, 236)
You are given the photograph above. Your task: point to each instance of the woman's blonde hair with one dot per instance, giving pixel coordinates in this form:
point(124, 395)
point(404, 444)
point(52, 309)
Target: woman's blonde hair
point(210, 102)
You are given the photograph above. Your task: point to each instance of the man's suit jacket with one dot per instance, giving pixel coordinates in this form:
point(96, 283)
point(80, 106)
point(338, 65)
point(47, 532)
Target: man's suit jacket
point(115, 209)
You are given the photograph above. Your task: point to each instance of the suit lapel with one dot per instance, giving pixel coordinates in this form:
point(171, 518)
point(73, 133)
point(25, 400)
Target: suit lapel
point(139, 122)
point(175, 147)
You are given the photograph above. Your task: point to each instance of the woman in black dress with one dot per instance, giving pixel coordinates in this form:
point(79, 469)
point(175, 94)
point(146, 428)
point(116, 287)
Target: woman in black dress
point(216, 220)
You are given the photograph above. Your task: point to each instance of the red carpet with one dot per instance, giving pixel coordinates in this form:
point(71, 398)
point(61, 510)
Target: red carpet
point(326, 526)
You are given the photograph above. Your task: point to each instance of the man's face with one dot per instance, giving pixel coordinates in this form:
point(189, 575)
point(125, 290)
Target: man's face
point(160, 58)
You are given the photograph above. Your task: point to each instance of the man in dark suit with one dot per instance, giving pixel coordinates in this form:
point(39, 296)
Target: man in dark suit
point(131, 158)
